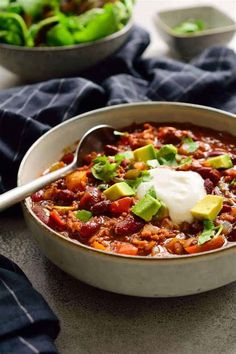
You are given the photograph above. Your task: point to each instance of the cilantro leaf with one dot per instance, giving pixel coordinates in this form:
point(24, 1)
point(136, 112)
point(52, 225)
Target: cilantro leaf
point(103, 169)
point(190, 145)
point(167, 155)
point(168, 160)
point(209, 232)
point(134, 183)
point(185, 161)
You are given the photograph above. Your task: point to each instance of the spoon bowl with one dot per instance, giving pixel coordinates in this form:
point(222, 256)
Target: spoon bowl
point(93, 140)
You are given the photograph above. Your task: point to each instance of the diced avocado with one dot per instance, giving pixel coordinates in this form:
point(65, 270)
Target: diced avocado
point(221, 161)
point(145, 153)
point(163, 212)
point(127, 154)
point(166, 150)
point(132, 174)
point(146, 208)
point(208, 207)
point(118, 190)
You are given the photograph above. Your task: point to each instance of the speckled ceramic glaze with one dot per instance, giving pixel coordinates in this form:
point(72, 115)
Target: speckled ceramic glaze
point(37, 64)
point(139, 276)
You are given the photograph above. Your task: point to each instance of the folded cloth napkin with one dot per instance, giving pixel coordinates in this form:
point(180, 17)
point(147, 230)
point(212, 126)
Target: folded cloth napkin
point(27, 325)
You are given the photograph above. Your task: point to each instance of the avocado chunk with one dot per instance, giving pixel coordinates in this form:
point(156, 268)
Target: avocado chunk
point(118, 190)
point(163, 212)
point(145, 153)
point(221, 161)
point(166, 150)
point(146, 207)
point(208, 207)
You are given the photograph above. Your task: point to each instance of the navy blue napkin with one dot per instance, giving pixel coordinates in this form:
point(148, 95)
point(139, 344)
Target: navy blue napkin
point(27, 325)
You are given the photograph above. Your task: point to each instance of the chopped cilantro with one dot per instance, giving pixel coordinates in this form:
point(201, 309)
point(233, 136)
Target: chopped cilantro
point(209, 231)
point(103, 169)
point(190, 26)
point(83, 215)
point(103, 187)
point(185, 161)
point(190, 145)
point(134, 183)
point(167, 155)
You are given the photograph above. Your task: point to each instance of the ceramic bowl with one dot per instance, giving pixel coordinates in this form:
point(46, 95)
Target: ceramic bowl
point(220, 29)
point(139, 276)
point(43, 63)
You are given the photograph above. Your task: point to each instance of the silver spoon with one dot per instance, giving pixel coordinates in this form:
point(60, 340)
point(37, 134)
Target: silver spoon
point(93, 140)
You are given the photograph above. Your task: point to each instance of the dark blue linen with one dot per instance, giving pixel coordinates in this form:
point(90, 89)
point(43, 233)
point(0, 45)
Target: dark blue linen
point(27, 324)
point(29, 111)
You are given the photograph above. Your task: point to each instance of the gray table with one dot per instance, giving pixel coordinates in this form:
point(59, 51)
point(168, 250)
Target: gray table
point(95, 321)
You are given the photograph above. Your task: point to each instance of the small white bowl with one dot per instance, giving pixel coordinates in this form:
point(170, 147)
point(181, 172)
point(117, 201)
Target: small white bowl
point(220, 29)
point(139, 276)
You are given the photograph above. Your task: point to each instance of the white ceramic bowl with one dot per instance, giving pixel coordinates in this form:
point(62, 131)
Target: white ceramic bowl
point(43, 63)
point(140, 276)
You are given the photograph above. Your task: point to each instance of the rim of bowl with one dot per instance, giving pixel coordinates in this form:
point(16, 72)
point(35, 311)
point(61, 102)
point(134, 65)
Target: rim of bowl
point(73, 243)
point(206, 32)
point(128, 26)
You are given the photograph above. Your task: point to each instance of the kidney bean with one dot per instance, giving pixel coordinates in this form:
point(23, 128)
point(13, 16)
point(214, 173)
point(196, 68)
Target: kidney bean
point(208, 172)
point(129, 225)
point(68, 158)
point(41, 213)
point(209, 186)
point(215, 153)
point(65, 197)
point(233, 158)
point(111, 150)
point(102, 207)
point(38, 196)
point(226, 209)
point(88, 229)
point(232, 235)
point(91, 196)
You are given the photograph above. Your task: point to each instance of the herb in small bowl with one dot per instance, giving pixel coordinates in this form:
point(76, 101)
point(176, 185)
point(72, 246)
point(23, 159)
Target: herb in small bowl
point(190, 26)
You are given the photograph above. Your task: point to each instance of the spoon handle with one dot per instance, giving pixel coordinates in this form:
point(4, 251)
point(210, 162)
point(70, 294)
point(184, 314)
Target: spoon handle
point(19, 193)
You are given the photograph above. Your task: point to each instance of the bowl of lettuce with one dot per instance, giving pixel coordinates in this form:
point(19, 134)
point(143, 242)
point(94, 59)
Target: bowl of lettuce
point(42, 39)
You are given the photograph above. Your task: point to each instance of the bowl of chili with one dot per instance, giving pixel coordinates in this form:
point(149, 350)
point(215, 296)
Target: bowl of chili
point(152, 215)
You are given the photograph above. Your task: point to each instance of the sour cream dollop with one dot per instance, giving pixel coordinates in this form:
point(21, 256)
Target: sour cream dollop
point(179, 190)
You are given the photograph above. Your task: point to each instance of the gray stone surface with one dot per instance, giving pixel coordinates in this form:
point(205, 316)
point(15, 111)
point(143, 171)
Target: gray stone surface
point(95, 321)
